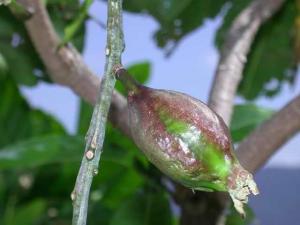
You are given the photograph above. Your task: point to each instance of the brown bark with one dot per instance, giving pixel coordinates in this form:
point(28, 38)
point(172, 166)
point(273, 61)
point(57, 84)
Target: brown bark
point(261, 144)
point(234, 54)
point(66, 66)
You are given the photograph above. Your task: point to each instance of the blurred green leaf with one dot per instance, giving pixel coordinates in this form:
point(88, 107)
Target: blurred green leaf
point(163, 11)
point(40, 151)
point(234, 218)
point(271, 61)
point(3, 65)
point(50, 149)
point(17, 50)
point(66, 12)
point(85, 116)
point(116, 183)
point(246, 118)
point(5, 2)
point(140, 71)
point(76, 25)
point(23, 62)
point(19, 11)
point(18, 120)
point(27, 214)
point(144, 209)
point(118, 177)
point(176, 18)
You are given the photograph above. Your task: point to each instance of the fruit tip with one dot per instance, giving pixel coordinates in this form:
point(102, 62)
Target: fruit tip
point(244, 186)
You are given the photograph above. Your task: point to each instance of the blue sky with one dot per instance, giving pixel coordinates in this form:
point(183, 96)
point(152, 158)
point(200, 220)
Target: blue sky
point(190, 70)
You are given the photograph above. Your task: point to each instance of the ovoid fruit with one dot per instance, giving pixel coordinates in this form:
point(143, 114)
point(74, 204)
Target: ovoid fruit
point(186, 140)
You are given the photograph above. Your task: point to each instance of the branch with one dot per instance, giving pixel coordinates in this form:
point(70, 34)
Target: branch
point(261, 144)
point(66, 66)
point(96, 133)
point(233, 55)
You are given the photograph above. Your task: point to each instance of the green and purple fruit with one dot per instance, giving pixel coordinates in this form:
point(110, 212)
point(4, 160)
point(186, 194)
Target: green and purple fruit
point(186, 140)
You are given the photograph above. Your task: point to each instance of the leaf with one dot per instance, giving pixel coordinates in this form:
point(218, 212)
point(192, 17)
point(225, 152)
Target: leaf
point(246, 118)
point(85, 116)
point(23, 62)
point(17, 50)
point(3, 65)
point(5, 2)
point(144, 209)
point(77, 24)
point(117, 183)
point(177, 18)
point(29, 213)
point(233, 218)
point(140, 71)
point(163, 11)
point(41, 151)
point(19, 11)
point(271, 61)
point(63, 13)
point(17, 120)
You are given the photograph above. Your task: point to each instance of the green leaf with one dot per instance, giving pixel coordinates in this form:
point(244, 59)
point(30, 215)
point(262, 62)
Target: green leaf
point(117, 183)
point(17, 50)
point(19, 11)
point(23, 62)
point(140, 71)
point(40, 151)
point(17, 120)
point(77, 24)
point(5, 2)
point(144, 209)
point(3, 65)
point(85, 116)
point(271, 61)
point(28, 214)
point(246, 118)
point(234, 218)
point(177, 18)
point(50, 149)
point(164, 11)
point(66, 12)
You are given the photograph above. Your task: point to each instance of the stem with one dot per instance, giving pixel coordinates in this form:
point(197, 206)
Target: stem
point(126, 79)
point(96, 133)
point(262, 143)
point(234, 54)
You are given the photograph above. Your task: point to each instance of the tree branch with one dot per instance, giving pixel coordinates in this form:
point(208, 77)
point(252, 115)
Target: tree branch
point(227, 78)
point(233, 55)
point(259, 146)
point(66, 66)
point(96, 133)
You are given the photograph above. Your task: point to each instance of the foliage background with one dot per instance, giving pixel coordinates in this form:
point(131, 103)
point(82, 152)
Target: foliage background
point(39, 158)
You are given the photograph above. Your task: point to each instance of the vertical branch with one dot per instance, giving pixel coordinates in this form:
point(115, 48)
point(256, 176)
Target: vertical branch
point(96, 133)
point(234, 54)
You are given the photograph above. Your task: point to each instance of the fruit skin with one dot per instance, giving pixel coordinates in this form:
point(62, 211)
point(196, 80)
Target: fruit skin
point(186, 140)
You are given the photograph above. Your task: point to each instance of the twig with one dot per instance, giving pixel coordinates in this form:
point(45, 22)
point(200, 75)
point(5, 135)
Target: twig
point(234, 54)
point(66, 66)
point(226, 81)
point(261, 144)
point(96, 133)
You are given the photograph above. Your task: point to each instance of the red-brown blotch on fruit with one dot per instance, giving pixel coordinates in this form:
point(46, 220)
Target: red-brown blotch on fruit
point(186, 140)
